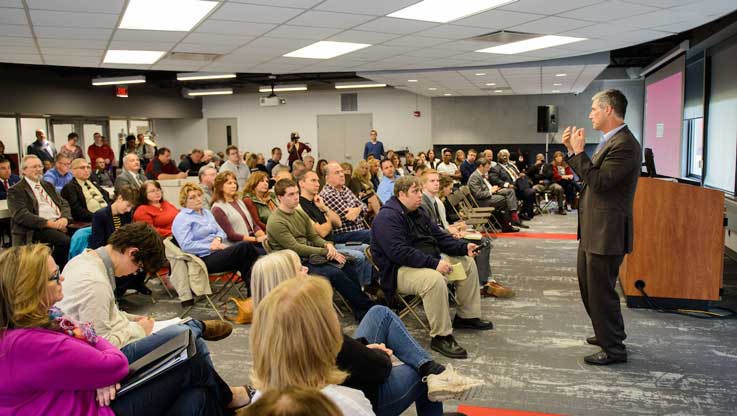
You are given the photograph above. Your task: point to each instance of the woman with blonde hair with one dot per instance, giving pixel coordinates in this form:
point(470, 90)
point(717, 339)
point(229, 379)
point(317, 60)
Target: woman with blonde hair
point(272, 269)
point(256, 194)
point(232, 215)
point(292, 401)
point(362, 187)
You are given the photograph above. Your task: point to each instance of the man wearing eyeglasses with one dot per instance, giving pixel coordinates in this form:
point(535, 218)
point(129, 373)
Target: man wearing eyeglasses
point(84, 197)
point(59, 175)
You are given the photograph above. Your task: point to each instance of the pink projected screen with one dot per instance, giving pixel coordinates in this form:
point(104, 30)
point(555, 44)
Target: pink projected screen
point(663, 115)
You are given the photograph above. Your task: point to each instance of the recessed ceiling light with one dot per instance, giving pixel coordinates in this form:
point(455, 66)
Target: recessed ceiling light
point(527, 45)
point(351, 85)
point(447, 94)
point(132, 57)
point(191, 76)
point(326, 49)
point(174, 15)
point(432, 89)
point(557, 84)
point(491, 84)
point(443, 11)
point(498, 91)
point(138, 79)
point(283, 88)
point(211, 91)
point(554, 91)
point(560, 75)
point(411, 80)
point(478, 74)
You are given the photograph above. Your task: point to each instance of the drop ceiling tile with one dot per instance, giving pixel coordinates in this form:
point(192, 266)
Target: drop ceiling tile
point(291, 44)
point(15, 30)
point(125, 66)
point(416, 41)
point(148, 35)
point(87, 6)
point(659, 18)
point(200, 48)
point(453, 32)
point(316, 18)
point(300, 4)
point(661, 3)
point(362, 36)
point(379, 52)
point(72, 43)
point(374, 8)
point(177, 65)
point(394, 25)
point(73, 19)
point(432, 53)
point(16, 41)
point(73, 52)
point(72, 32)
point(233, 28)
point(497, 19)
point(10, 16)
point(547, 7)
point(17, 50)
point(23, 58)
point(608, 11)
point(708, 7)
point(550, 25)
point(683, 26)
point(254, 13)
point(141, 45)
point(215, 39)
point(302, 32)
point(66, 60)
point(11, 3)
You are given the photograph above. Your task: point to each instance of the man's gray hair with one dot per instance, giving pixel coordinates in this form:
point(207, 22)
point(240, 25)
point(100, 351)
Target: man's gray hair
point(613, 98)
point(503, 152)
point(26, 158)
point(129, 155)
point(204, 169)
point(404, 184)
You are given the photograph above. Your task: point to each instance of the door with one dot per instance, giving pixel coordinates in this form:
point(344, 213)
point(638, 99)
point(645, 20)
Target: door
point(222, 132)
point(341, 137)
point(61, 127)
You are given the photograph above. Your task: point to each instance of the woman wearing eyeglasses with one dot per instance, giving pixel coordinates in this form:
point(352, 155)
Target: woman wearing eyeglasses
point(54, 365)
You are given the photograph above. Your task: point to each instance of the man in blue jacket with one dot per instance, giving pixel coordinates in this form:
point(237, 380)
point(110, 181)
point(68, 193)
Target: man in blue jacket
point(415, 257)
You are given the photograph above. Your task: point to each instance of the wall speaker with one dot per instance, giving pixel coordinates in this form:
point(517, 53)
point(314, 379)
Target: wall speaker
point(547, 119)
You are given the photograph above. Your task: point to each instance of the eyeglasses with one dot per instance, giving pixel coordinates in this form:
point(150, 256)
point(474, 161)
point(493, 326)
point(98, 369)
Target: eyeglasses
point(56, 276)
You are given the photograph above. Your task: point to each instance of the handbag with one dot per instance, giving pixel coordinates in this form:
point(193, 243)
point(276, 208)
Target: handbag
point(245, 310)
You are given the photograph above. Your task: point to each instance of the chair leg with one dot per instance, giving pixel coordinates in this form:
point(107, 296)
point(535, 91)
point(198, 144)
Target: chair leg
point(212, 305)
point(337, 309)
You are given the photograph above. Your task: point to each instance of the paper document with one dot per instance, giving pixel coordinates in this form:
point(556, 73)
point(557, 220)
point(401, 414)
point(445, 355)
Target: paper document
point(457, 273)
point(473, 236)
point(159, 325)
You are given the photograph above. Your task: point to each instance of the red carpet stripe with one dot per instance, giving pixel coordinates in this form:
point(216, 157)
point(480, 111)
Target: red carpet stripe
point(541, 236)
point(488, 411)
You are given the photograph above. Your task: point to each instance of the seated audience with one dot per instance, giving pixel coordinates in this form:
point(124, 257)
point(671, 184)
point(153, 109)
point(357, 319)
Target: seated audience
point(366, 356)
point(7, 177)
point(292, 401)
point(196, 232)
point(273, 162)
point(301, 309)
point(192, 163)
point(98, 149)
point(100, 175)
point(60, 365)
point(325, 219)
point(235, 165)
point(431, 160)
point(447, 167)
point(409, 163)
point(506, 175)
point(521, 160)
point(362, 187)
point(386, 186)
point(563, 176)
point(351, 210)
point(374, 167)
point(11, 157)
point(162, 167)
point(281, 174)
point(59, 175)
point(131, 173)
point(232, 215)
point(298, 167)
point(309, 161)
point(70, 148)
point(468, 166)
point(207, 176)
point(42, 148)
point(153, 209)
point(129, 146)
point(541, 175)
point(256, 194)
point(414, 257)
point(290, 228)
point(460, 157)
point(320, 169)
point(398, 169)
point(487, 195)
point(252, 162)
point(38, 213)
point(84, 197)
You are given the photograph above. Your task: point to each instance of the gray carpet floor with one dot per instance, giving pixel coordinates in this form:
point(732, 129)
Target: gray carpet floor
point(533, 359)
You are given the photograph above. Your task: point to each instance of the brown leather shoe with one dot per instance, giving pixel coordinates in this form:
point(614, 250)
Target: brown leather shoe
point(215, 330)
point(497, 290)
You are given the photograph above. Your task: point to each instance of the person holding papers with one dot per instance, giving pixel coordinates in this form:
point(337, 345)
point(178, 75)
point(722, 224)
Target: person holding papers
point(54, 365)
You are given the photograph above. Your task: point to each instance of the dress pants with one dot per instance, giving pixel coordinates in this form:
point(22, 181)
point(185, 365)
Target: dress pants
point(555, 189)
point(526, 194)
point(483, 261)
point(59, 243)
point(597, 277)
point(432, 286)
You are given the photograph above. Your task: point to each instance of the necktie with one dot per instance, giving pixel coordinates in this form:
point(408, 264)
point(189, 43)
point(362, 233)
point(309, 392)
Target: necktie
point(48, 200)
point(437, 212)
point(5, 185)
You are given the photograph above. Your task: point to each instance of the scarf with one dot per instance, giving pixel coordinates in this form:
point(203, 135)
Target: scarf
point(80, 330)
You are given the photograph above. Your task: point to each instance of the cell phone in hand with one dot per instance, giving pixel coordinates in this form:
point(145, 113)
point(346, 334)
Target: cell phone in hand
point(481, 246)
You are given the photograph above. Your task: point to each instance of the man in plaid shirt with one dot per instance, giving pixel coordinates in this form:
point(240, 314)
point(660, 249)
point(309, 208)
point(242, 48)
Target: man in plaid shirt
point(351, 210)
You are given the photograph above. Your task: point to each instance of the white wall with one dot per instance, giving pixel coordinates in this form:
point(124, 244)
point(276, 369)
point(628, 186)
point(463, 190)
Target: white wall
point(181, 135)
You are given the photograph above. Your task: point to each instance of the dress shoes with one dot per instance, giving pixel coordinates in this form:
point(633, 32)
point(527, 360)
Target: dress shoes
point(143, 289)
point(215, 330)
point(448, 346)
point(519, 224)
point(562, 211)
point(472, 323)
point(593, 341)
point(602, 358)
point(525, 217)
point(510, 229)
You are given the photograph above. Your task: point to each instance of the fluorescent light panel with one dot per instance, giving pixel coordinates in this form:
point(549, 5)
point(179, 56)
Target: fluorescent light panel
point(326, 50)
point(522, 46)
point(490, 84)
point(560, 75)
point(138, 79)
point(114, 56)
point(171, 15)
point(352, 85)
point(443, 11)
point(192, 76)
point(283, 88)
point(211, 91)
point(411, 80)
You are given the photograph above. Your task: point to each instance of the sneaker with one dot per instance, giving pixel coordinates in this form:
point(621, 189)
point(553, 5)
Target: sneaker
point(450, 385)
point(498, 291)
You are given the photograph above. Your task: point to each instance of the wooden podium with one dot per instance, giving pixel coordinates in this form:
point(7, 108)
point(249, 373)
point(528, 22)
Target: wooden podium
point(678, 245)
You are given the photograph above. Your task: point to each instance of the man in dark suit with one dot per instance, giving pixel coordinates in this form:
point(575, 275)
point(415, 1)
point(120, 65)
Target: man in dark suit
point(131, 174)
point(605, 218)
point(506, 176)
point(37, 212)
point(84, 197)
point(42, 148)
point(7, 178)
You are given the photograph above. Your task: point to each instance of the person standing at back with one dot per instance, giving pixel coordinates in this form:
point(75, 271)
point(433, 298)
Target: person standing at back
point(605, 223)
point(295, 148)
point(373, 146)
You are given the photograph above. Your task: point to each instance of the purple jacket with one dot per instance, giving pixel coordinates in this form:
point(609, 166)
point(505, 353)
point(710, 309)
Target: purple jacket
point(46, 372)
point(392, 248)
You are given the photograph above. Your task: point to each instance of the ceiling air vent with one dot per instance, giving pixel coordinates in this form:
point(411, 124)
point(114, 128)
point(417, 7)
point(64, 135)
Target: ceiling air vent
point(193, 57)
point(349, 102)
point(503, 37)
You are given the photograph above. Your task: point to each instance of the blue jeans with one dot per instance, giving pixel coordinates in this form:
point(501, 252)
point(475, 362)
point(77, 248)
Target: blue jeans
point(363, 236)
point(361, 268)
point(346, 285)
point(404, 385)
point(143, 346)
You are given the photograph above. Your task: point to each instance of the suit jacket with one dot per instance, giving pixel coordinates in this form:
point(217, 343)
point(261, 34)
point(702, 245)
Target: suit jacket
point(12, 180)
point(74, 195)
point(610, 179)
point(536, 174)
point(478, 188)
point(126, 178)
point(23, 206)
point(428, 204)
point(36, 149)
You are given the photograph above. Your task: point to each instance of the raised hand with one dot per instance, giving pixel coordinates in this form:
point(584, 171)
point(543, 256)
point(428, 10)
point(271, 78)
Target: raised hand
point(566, 139)
point(578, 140)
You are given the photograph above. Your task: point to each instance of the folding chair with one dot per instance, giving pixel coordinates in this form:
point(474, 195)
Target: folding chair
point(470, 201)
point(543, 202)
point(472, 218)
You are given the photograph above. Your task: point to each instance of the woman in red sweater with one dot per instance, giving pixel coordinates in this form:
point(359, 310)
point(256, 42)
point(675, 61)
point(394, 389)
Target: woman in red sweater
point(154, 210)
point(563, 176)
